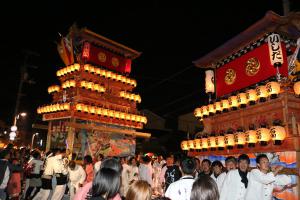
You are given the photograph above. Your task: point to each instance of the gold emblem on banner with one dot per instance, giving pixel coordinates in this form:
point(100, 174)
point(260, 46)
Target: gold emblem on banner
point(230, 76)
point(102, 57)
point(115, 62)
point(252, 66)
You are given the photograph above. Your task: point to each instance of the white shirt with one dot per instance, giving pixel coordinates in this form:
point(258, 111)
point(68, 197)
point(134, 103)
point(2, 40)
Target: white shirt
point(76, 176)
point(5, 178)
point(219, 180)
point(55, 164)
point(134, 173)
point(38, 164)
point(97, 166)
point(125, 179)
point(145, 173)
point(232, 187)
point(181, 189)
point(261, 185)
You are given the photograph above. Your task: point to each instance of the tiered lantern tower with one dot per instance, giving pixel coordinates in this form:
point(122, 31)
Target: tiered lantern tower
point(95, 91)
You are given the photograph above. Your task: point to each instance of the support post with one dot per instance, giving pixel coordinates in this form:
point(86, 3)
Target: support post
point(48, 144)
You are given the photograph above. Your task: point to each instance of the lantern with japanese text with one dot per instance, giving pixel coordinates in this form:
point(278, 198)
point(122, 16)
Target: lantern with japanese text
point(211, 109)
point(217, 107)
point(197, 144)
point(262, 93)
point(184, 145)
point(220, 141)
point(204, 143)
point(251, 96)
point(242, 99)
point(233, 102)
point(225, 105)
point(251, 138)
point(273, 89)
point(204, 111)
point(263, 136)
point(278, 134)
point(191, 145)
point(229, 139)
point(240, 139)
point(211, 142)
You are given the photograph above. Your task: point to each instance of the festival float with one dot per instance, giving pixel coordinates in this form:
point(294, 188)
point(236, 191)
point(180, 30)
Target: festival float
point(94, 109)
point(253, 84)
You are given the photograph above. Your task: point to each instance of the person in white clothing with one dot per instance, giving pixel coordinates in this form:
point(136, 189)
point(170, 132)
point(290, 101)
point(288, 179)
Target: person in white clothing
point(217, 175)
point(236, 181)
point(262, 180)
point(181, 189)
point(98, 163)
point(4, 172)
point(125, 176)
point(145, 170)
point(134, 170)
point(76, 178)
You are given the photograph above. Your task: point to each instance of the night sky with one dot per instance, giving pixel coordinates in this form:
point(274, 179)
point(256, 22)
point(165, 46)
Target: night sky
point(169, 35)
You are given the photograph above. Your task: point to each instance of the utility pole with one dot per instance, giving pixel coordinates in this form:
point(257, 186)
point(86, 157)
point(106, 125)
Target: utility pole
point(23, 78)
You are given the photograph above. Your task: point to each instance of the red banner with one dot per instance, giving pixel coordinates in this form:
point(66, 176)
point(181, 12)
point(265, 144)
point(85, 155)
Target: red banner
point(252, 67)
point(104, 58)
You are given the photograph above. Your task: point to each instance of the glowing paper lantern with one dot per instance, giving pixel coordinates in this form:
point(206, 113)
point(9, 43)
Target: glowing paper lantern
point(233, 102)
point(209, 81)
point(184, 145)
point(197, 144)
point(217, 107)
point(251, 138)
point(251, 96)
point(242, 100)
point(220, 142)
point(229, 140)
point(225, 105)
point(297, 88)
point(263, 136)
point(262, 93)
point(204, 110)
point(191, 144)
point(211, 142)
point(273, 89)
point(278, 134)
point(211, 109)
point(204, 144)
point(240, 139)
point(198, 113)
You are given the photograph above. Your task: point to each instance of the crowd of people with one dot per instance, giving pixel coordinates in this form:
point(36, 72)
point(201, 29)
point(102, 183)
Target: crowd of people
point(32, 174)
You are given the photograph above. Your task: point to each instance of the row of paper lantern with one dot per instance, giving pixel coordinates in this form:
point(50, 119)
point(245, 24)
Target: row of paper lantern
point(96, 70)
point(68, 84)
point(271, 89)
point(92, 86)
point(68, 69)
point(53, 88)
point(80, 107)
point(53, 108)
point(250, 137)
point(130, 96)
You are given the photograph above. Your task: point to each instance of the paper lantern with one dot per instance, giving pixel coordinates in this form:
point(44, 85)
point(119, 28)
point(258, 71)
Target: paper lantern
point(225, 105)
point(278, 134)
point(240, 139)
point(229, 140)
point(233, 102)
point(220, 142)
point(297, 88)
point(138, 118)
point(211, 142)
point(204, 143)
point(76, 66)
point(242, 99)
point(197, 144)
point(92, 110)
point(99, 111)
point(204, 111)
point(251, 96)
point(262, 93)
point(198, 113)
point(211, 109)
point(92, 69)
point(86, 67)
point(108, 74)
point(98, 71)
point(263, 136)
point(273, 89)
point(104, 112)
point(251, 138)
point(209, 81)
point(217, 107)
point(184, 145)
point(103, 73)
point(191, 144)
point(117, 114)
point(111, 113)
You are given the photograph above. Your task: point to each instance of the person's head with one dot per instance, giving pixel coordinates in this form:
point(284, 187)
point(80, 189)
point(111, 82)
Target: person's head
point(88, 160)
point(170, 160)
point(161, 198)
point(146, 159)
point(5, 154)
point(100, 157)
point(217, 167)
point(198, 165)
point(72, 164)
point(160, 158)
point(205, 188)
point(205, 165)
point(36, 155)
point(188, 165)
point(230, 163)
point(139, 190)
point(106, 183)
point(112, 163)
point(262, 162)
point(132, 161)
point(243, 162)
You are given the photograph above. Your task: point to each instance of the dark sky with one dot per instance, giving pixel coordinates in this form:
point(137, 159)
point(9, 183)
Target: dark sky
point(169, 35)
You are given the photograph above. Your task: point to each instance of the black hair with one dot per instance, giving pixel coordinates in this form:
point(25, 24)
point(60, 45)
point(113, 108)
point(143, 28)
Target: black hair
point(161, 198)
point(4, 153)
point(146, 159)
point(106, 182)
point(88, 159)
point(230, 159)
point(72, 164)
point(260, 156)
point(205, 188)
point(36, 154)
point(206, 160)
point(112, 163)
point(244, 157)
point(188, 165)
point(217, 163)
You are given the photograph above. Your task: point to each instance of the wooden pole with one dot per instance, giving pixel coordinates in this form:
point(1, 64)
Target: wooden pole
point(48, 144)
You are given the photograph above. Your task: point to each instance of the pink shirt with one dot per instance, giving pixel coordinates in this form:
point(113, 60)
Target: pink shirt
point(82, 192)
point(89, 170)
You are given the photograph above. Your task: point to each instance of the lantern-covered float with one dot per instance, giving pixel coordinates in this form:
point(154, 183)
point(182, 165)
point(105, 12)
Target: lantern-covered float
point(252, 82)
point(94, 109)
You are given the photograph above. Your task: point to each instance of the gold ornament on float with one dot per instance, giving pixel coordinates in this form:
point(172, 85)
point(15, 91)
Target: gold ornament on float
point(252, 66)
point(102, 57)
point(230, 76)
point(115, 62)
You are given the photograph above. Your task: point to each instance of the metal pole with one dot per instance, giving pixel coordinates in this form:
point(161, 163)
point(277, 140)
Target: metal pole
point(32, 141)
